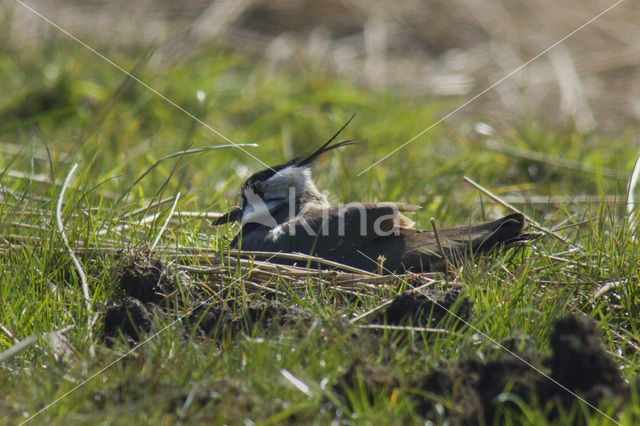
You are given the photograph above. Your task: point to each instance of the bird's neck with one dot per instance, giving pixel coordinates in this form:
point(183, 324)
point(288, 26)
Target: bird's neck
point(298, 206)
point(303, 196)
point(309, 193)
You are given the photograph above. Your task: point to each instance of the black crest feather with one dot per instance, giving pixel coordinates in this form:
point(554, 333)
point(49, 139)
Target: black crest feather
point(303, 160)
point(307, 159)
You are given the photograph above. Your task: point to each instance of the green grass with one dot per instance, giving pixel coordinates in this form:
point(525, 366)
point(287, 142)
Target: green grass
point(62, 105)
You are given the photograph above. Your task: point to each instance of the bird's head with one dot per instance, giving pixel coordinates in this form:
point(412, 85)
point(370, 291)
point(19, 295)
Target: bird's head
point(272, 195)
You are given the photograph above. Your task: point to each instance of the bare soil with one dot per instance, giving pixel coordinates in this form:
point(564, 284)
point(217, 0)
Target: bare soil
point(579, 363)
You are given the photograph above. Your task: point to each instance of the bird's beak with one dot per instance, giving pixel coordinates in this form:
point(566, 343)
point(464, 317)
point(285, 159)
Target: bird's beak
point(232, 216)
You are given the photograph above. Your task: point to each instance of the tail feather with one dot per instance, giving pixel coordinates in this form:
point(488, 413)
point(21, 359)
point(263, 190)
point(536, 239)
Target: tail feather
point(502, 232)
point(461, 241)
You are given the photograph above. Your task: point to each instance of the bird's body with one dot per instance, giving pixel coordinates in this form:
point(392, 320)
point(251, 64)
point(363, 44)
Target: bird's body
point(283, 211)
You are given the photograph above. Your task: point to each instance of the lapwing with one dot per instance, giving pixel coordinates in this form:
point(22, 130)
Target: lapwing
point(282, 210)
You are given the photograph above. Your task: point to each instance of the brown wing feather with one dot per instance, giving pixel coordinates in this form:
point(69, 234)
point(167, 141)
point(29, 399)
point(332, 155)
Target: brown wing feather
point(461, 242)
point(360, 245)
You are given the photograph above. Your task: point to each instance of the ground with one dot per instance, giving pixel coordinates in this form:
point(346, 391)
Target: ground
point(178, 330)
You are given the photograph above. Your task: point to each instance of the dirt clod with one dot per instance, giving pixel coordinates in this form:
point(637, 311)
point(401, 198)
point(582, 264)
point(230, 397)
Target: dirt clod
point(428, 307)
point(579, 362)
point(373, 378)
point(213, 319)
point(131, 318)
point(146, 279)
point(146, 282)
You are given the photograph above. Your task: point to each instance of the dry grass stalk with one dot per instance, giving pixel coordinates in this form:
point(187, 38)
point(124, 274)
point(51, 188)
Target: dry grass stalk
point(407, 328)
point(166, 222)
point(631, 189)
point(606, 287)
point(497, 199)
point(74, 258)
point(266, 273)
point(147, 207)
point(30, 340)
point(9, 333)
point(389, 301)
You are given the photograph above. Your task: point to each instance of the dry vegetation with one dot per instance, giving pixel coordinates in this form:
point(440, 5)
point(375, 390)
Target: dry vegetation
point(443, 49)
point(122, 304)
